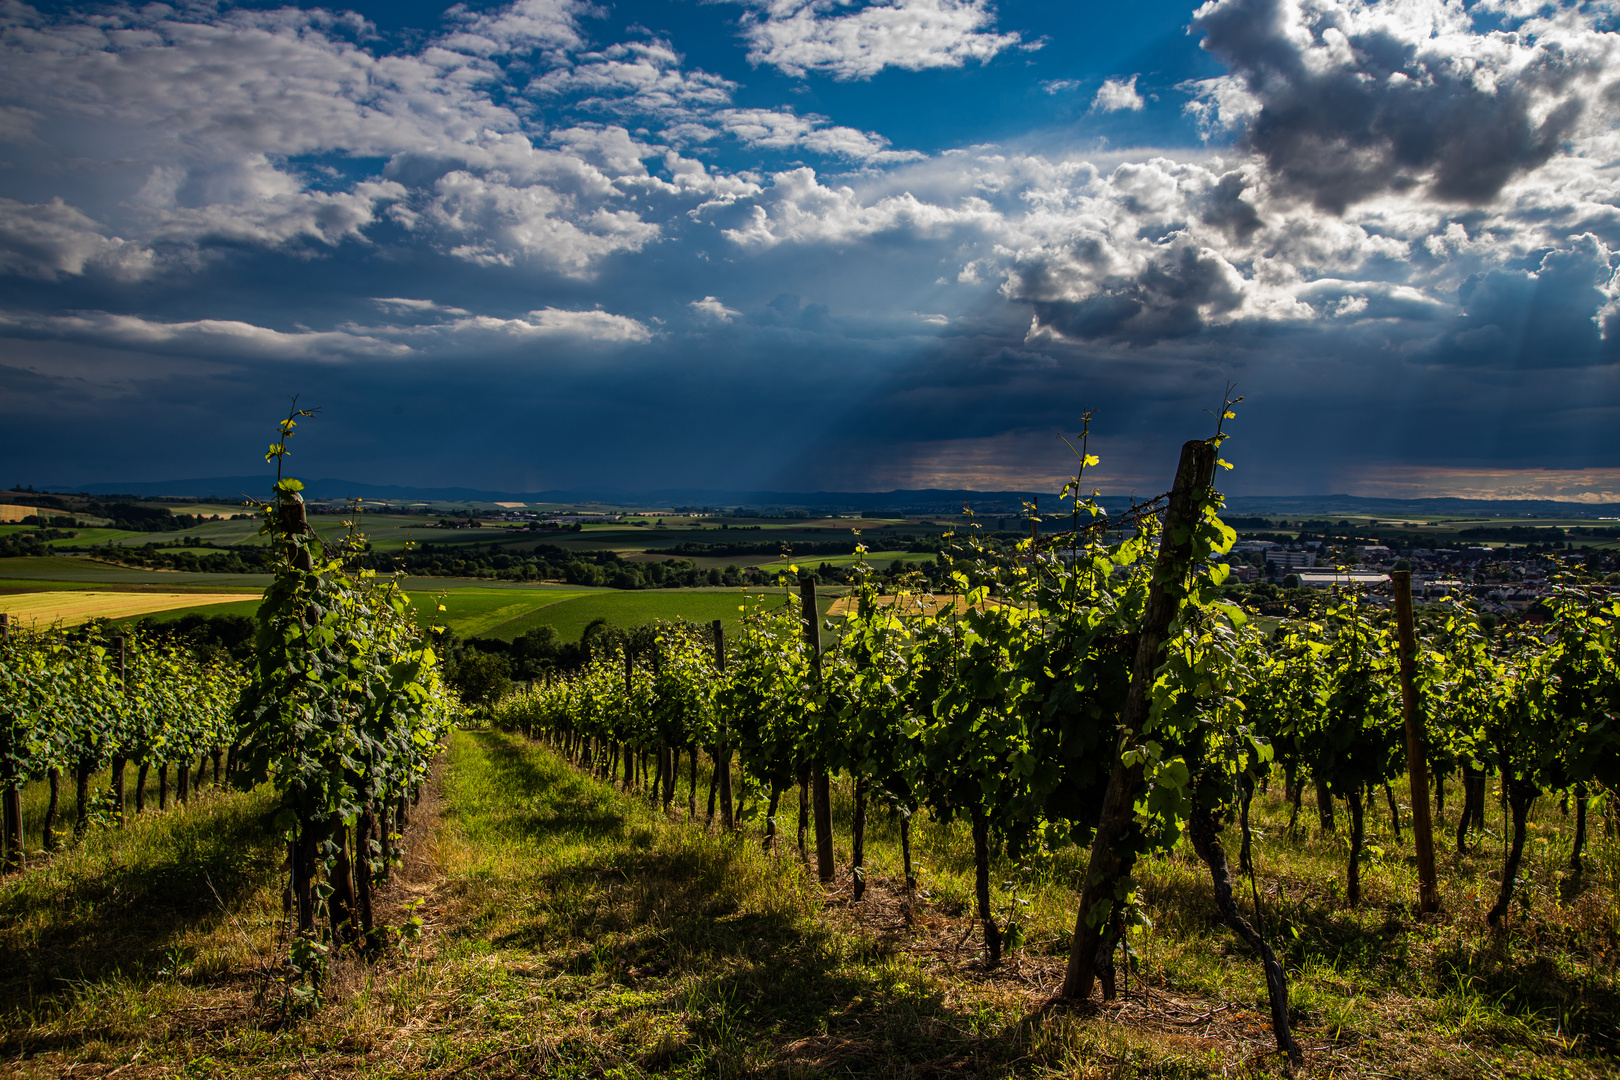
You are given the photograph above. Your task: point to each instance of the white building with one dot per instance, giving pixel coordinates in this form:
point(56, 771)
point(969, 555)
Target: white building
point(1326, 580)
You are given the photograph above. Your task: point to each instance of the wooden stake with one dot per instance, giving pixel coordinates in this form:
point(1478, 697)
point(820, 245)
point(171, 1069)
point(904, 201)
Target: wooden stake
point(1417, 762)
point(821, 784)
point(722, 761)
point(1118, 838)
point(118, 759)
point(11, 798)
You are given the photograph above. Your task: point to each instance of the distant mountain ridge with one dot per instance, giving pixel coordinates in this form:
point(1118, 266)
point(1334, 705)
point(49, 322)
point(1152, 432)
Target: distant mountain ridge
point(925, 500)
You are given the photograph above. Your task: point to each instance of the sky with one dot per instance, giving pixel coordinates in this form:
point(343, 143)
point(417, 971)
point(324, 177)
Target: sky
point(807, 245)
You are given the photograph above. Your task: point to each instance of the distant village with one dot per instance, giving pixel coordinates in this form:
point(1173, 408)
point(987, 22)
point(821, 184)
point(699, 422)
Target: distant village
point(1504, 581)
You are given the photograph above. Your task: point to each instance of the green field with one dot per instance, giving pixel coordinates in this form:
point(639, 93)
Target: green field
point(500, 613)
point(636, 608)
point(65, 572)
point(878, 560)
point(508, 613)
point(249, 608)
point(473, 606)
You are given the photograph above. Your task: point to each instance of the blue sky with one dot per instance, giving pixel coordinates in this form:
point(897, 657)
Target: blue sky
point(811, 244)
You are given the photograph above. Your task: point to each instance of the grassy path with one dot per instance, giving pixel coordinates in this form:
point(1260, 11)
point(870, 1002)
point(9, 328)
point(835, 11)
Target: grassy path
point(616, 944)
point(572, 931)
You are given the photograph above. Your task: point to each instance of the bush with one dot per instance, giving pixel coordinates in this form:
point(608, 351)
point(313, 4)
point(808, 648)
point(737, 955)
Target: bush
point(481, 678)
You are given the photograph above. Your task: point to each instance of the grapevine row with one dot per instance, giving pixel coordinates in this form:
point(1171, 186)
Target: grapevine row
point(342, 711)
point(74, 703)
point(1093, 688)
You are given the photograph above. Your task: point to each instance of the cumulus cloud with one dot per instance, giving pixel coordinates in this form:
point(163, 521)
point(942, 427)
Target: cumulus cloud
point(798, 37)
point(636, 76)
point(1117, 95)
point(799, 208)
point(710, 307)
point(1166, 249)
point(1359, 98)
point(52, 240)
point(648, 80)
point(525, 26)
point(197, 129)
point(782, 130)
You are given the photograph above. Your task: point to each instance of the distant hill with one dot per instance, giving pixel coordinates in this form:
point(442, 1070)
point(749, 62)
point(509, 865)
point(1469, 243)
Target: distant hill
point(918, 501)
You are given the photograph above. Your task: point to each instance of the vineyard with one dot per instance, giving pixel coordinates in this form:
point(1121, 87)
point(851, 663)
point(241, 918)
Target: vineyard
point(341, 713)
point(1070, 813)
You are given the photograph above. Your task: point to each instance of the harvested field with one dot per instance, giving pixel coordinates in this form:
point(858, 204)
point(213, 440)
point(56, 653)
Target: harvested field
point(81, 605)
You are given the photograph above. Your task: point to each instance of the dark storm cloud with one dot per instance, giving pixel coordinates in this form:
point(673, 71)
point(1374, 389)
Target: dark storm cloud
point(1172, 296)
point(1354, 101)
point(1554, 316)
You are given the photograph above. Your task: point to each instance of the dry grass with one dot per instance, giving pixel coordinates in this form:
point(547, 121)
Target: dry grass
point(573, 931)
point(82, 605)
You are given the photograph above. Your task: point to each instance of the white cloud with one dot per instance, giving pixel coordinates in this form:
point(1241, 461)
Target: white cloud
point(194, 129)
point(639, 76)
point(504, 224)
point(799, 208)
point(525, 26)
point(648, 80)
point(403, 305)
point(1117, 95)
point(710, 307)
point(209, 337)
point(52, 240)
point(1220, 105)
point(233, 340)
point(1167, 248)
point(1059, 86)
point(543, 324)
point(825, 36)
point(780, 130)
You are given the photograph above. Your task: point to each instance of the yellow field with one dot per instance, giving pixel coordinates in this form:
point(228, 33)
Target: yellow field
point(77, 607)
point(9, 512)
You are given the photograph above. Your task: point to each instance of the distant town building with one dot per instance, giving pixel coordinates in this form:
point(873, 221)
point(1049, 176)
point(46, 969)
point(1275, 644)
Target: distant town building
point(1325, 580)
point(1291, 560)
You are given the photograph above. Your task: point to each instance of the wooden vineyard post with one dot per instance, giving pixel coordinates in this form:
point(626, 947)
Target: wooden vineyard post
point(629, 751)
point(118, 759)
point(1117, 841)
point(11, 798)
point(722, 761)
point(1417, 762)
point(821, 785)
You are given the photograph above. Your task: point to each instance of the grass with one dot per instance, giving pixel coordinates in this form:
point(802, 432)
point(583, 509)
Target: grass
point(574, 931)
point(633, 608)
point(502, 613)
